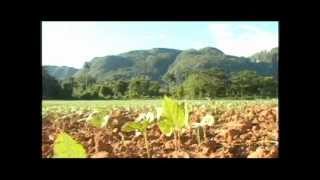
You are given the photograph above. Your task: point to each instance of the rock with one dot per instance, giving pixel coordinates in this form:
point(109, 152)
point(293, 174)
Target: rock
point(126, 142)
point(258, 153)
point(105, 147)
point(115, 130)
point(101, 154)
point(179, 154)
point(114, 122)
point(255, 121)
point(197, 155)
point(273, 153)
point(255, 128)
point(169, 145)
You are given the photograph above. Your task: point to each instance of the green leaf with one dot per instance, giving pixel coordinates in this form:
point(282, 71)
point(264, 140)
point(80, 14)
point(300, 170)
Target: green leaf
point(105, 121)
point(181, 120)
point(186, 112)
point(66, 147)
point(140, 126)
point(159, 113)
point(165, 127)
point(174, 113)
point(98, 119)
point(168, 109)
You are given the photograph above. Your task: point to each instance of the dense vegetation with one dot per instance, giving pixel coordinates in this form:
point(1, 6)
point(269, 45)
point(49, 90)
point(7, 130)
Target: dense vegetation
point(190, 74)
point(60, 72)
point(153, 63)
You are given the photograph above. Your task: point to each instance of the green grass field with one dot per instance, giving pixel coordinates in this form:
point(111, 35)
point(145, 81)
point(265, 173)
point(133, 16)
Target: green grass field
point(97, 104)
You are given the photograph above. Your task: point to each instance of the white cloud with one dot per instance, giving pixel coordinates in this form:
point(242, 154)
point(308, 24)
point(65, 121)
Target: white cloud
point(242, 39)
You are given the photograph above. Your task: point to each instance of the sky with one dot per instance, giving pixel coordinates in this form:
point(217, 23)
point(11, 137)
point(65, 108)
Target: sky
point(68, 43)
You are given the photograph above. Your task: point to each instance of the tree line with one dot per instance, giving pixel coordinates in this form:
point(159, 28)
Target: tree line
point(213, 83)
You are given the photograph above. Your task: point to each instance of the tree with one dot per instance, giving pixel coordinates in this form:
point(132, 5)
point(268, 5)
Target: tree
point(245, 83)
point(210, 83)
point(90, 80)
point(154, 88)
point(120, 87)
point(268, 86)
point(275, 66)
point(138, 87)
point(134, 88)
point(180, 92)
point(219, 82)
point(50, 86)
point(105, 91)
point(86, 68)
point(91, 92)
point(195, 86)
point(66, 89)
point(170, 78)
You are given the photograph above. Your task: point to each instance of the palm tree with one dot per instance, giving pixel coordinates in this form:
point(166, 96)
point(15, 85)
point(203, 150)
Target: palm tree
point(274, 66)
point(86, 68)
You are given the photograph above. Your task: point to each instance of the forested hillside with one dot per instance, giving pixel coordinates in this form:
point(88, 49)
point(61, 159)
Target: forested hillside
point(206, 72)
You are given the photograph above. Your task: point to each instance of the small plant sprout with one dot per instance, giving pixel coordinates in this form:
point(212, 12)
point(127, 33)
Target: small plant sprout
point(140, 126)
point(99, 120)
point(144, 117)
point(174, 119)
point(66, 147)
point(197, 127)
point(149, 116)
point(207, 120)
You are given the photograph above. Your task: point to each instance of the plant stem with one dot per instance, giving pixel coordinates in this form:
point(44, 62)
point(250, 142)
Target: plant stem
point(175, 139)
point(204, 133)
point(215, 110)
point(198, 136)
point(96, 142)
point(146, 143)
point(179, 141)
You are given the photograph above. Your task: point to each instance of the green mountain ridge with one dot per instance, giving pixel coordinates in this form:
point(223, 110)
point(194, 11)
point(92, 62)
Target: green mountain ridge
point(60, 72)
point(153, 63)
point(264, 56)
point(158, 63)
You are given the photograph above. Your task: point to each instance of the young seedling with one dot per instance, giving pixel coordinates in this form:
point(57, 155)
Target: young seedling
point(99, 120)
point(66, 147)
point(159, 113)
point(174, 119)
point(140, 124)
point(197, 127)
point(207, 120)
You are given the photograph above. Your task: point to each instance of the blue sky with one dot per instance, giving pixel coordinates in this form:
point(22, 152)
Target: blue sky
point(72, 43)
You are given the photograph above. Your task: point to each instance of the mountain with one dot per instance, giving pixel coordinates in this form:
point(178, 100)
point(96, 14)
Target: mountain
point(212, 58)
point(265, 56)
point(159, 62)
point(60, 72)
point(154, 63)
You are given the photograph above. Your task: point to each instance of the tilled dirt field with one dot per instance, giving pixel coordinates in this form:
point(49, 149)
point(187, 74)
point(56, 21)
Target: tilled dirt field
point(249, 133)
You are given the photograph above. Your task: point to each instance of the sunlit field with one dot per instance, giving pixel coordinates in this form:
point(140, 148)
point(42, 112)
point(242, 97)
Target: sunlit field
point(114, 128)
